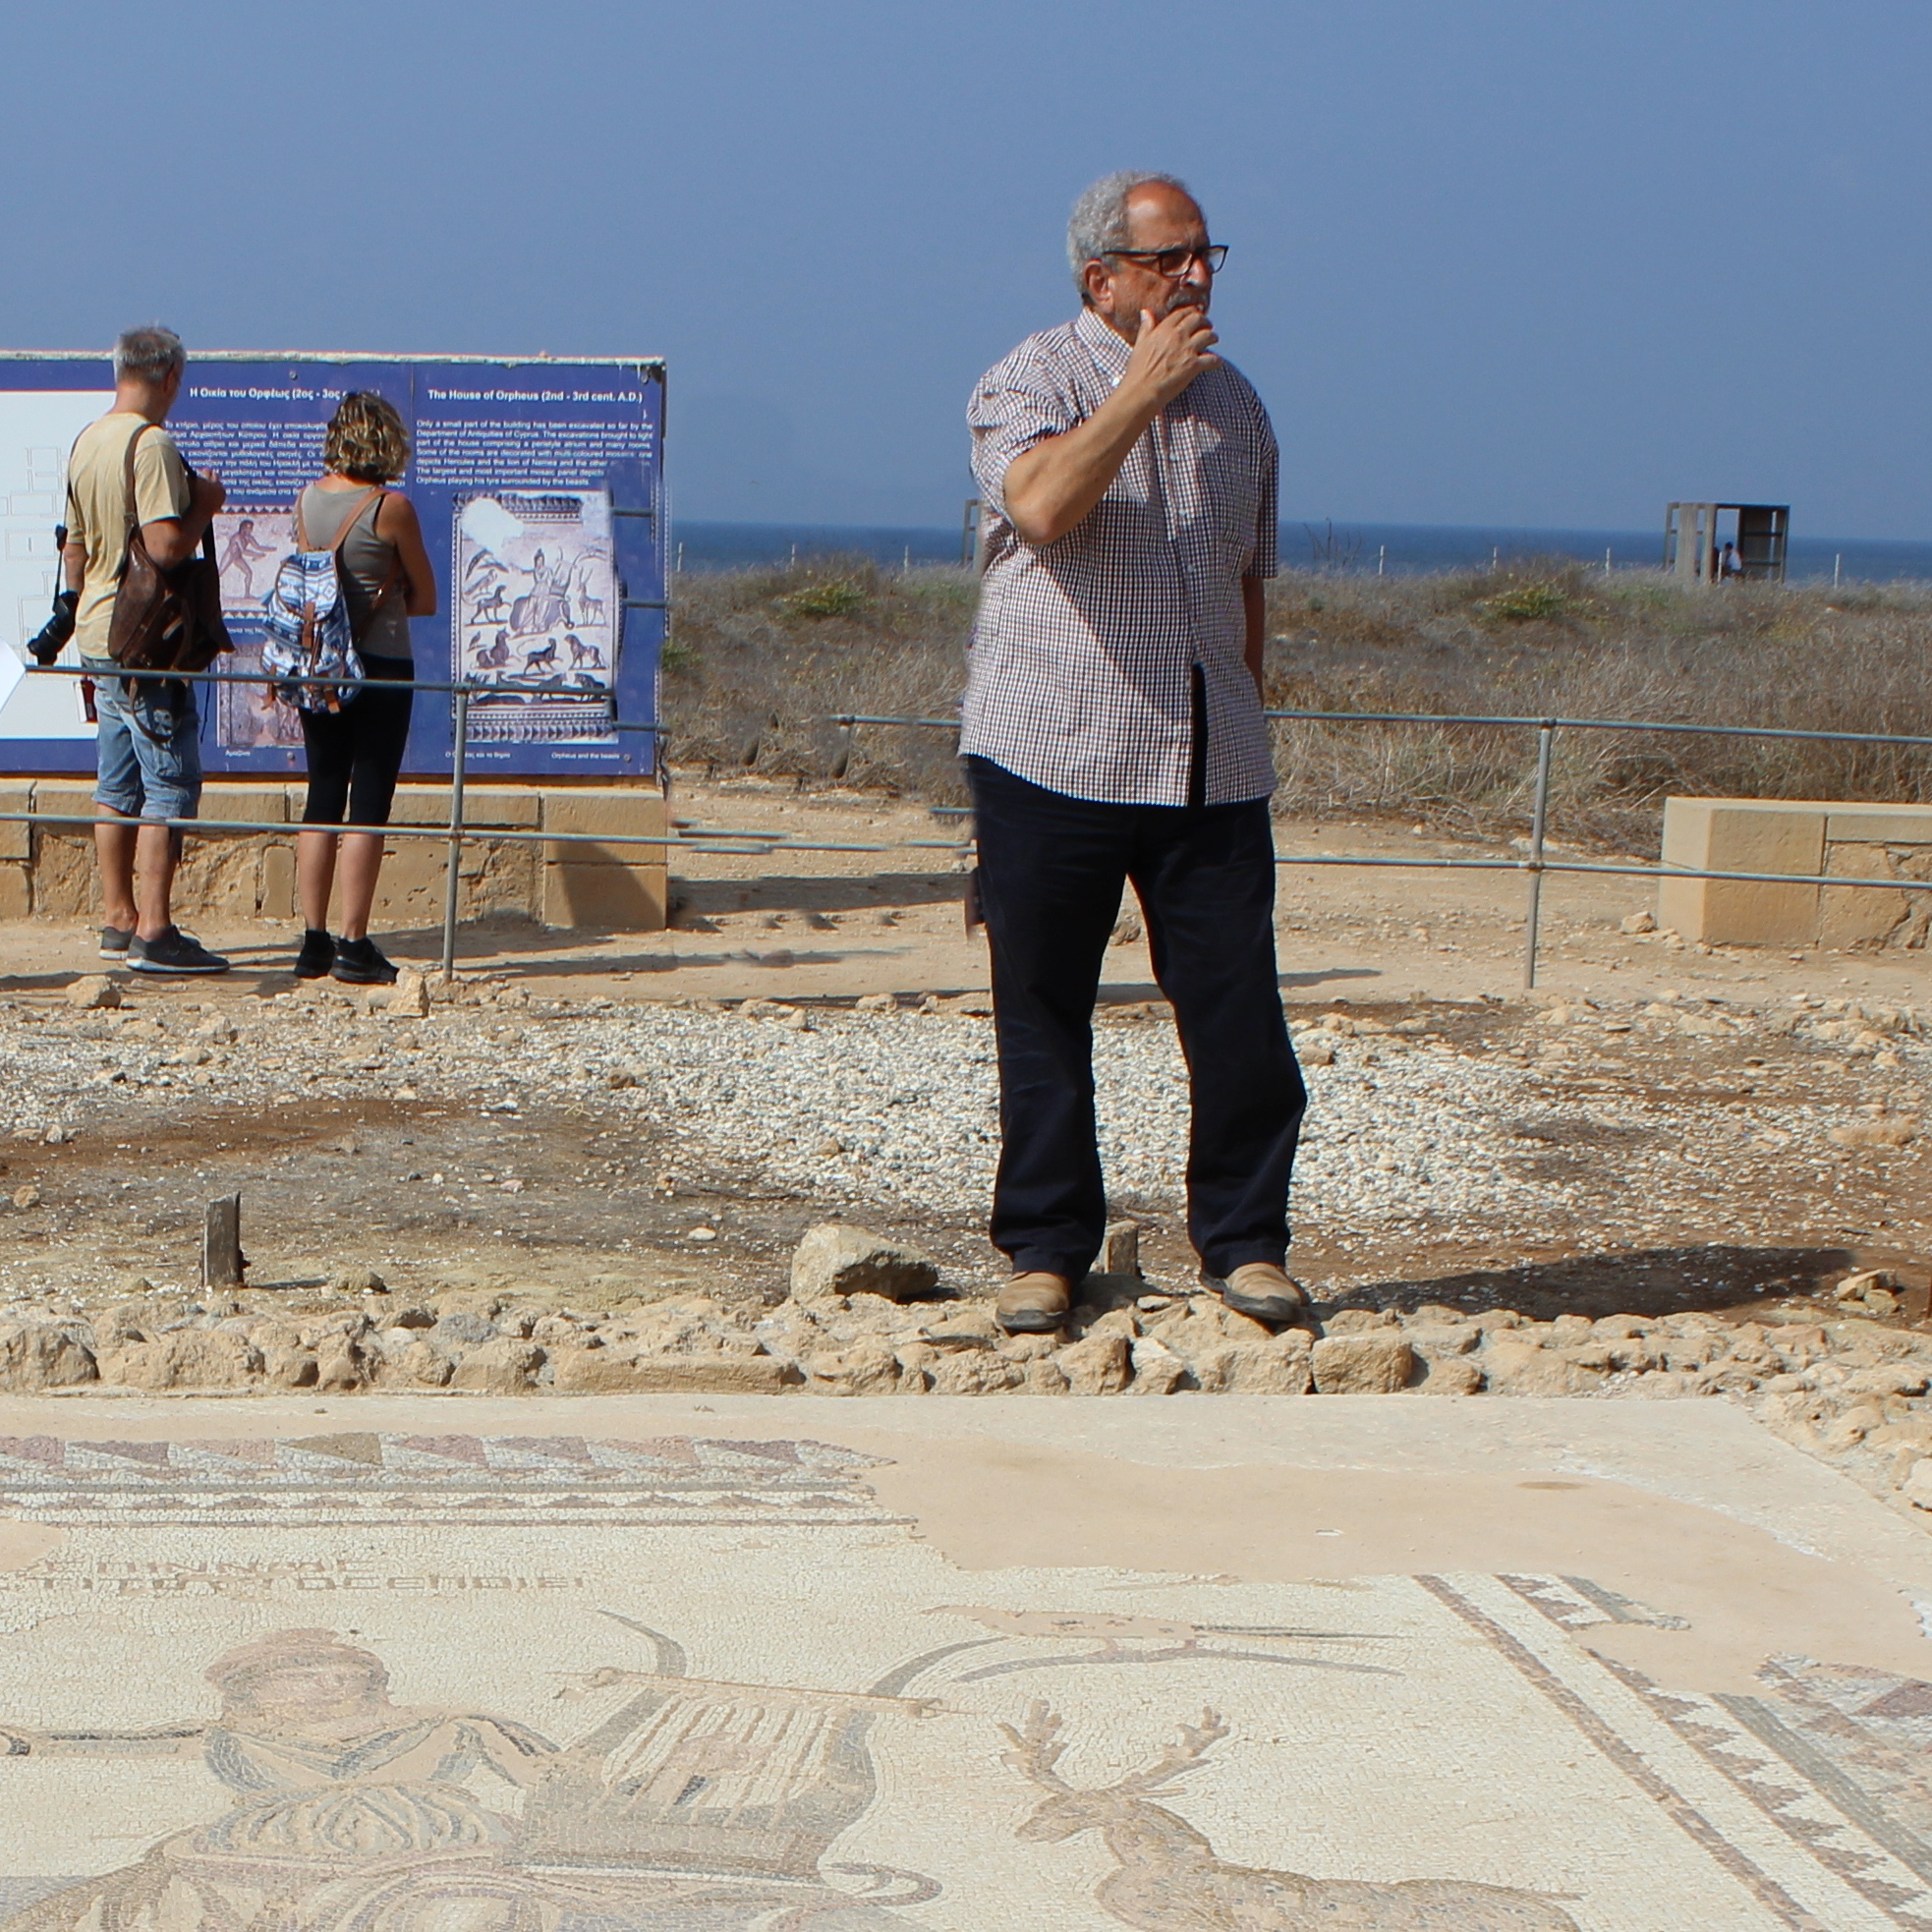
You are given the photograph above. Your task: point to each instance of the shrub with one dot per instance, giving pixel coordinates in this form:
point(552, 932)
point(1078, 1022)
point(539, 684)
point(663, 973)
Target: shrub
point(834, 597)
point(1527, 604)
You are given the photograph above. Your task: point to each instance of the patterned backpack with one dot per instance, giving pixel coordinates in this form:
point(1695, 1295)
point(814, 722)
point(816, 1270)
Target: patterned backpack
point(310, 647)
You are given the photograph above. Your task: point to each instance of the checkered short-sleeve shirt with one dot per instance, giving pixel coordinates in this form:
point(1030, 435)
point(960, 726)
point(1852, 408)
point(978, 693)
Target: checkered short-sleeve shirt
point(1081, 672)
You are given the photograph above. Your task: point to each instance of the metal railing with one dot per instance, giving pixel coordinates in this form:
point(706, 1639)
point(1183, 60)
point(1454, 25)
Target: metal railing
point(1535, 861)
point(725, 840)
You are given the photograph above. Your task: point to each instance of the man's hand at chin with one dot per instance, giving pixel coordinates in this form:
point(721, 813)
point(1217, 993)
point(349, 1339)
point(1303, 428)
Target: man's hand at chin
point(1170, 351)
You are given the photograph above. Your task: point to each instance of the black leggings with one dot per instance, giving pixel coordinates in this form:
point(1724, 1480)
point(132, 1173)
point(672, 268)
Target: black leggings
point(356, 753)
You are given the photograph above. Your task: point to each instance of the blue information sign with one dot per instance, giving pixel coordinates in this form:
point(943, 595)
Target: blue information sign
point(539, 486)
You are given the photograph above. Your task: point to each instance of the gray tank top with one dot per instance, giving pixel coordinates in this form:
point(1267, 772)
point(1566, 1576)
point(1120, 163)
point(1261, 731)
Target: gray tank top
point(365, 560)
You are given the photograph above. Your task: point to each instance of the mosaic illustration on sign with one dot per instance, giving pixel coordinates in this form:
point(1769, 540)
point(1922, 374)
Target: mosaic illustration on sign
point(249, 548)
point(537, 614)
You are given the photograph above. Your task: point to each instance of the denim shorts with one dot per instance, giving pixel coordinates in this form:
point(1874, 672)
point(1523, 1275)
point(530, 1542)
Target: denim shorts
point(148, 746)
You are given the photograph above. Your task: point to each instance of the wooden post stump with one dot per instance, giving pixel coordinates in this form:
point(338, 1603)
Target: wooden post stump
point(222, 1260)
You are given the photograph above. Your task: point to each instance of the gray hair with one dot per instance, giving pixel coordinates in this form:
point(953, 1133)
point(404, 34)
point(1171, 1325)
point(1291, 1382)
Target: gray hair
point(147, 354)
point(1098, 224)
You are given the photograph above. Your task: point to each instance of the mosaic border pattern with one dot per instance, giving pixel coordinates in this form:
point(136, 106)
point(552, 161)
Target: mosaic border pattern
point(365, 1477)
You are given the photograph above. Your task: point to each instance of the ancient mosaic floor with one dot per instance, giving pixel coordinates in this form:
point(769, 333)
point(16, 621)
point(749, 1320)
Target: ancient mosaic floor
point(371, 1680)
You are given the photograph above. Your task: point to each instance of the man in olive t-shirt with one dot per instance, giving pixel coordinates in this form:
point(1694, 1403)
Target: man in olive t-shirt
point(148, 746)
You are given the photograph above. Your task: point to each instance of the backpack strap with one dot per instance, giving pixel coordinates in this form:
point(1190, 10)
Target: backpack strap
point(395, 578)
point(355, 516)
point(391, 582)
point(134, 443)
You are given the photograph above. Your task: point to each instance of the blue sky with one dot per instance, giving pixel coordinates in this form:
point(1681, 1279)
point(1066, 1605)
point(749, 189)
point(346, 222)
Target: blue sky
point(1524, 262)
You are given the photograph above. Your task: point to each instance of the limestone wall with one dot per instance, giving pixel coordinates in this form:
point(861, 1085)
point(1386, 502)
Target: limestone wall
point(49, 871)
point(1822, 837)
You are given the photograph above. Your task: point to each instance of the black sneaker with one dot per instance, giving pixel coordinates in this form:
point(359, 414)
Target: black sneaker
point(359, 962)
point(316, 956)
point(115, 941)
point(173, 952)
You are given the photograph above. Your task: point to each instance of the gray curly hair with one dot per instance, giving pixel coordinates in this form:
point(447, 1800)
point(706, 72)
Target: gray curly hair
point(1098, 224)
point(147, 354)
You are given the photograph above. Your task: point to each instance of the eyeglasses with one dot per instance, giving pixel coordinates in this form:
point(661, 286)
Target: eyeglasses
point(1171, 263)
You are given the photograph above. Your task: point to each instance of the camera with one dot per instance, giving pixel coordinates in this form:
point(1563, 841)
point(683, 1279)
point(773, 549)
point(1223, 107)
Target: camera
point(51, 639)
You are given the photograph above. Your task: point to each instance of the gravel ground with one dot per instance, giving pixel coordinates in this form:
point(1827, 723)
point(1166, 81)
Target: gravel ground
point(1495, 1132)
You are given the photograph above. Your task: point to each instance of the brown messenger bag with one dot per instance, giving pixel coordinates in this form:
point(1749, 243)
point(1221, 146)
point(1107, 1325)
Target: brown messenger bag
point(166, 620)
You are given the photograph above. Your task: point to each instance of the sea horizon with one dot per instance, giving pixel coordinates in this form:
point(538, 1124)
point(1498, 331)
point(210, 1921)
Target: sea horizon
point(1359, 549)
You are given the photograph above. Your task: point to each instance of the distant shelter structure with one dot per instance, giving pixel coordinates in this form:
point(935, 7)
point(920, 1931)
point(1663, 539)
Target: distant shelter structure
point(1692, 539)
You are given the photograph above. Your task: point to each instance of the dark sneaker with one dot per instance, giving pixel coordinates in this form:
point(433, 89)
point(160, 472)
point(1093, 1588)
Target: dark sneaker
point(359, 962)
point(173, 952)
point(114, 943)
point(316, 956)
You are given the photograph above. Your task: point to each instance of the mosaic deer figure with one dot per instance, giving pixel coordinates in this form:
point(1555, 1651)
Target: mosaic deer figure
point(1169, 1879)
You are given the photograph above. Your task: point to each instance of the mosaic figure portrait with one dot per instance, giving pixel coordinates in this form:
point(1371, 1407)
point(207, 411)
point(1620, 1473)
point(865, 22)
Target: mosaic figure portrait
point(350, 1809)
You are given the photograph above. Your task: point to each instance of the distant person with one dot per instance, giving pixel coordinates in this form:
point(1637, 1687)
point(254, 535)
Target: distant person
point(1730, 564)
point(356, 753)
point(1114, 733)
point(147, 750)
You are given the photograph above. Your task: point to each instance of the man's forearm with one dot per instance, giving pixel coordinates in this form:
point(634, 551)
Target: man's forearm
point(1254, 607)
point(74, 566)
point(1052, 488)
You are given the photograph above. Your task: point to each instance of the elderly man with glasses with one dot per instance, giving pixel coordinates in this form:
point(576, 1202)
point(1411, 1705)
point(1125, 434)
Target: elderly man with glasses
point(1113, 735)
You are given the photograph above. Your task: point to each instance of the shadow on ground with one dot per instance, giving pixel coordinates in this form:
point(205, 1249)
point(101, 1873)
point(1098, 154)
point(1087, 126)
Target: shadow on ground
point(1647, 1281)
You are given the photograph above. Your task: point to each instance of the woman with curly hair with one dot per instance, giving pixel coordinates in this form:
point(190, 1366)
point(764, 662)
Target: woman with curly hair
point(356, 753)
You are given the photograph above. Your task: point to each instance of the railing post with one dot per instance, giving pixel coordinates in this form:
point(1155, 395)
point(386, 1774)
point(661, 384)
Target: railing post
point(1545, 738)
point(453, 875)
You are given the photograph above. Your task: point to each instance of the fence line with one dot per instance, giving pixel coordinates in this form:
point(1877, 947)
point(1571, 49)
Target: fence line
point(1535, 861)
point(758, 844)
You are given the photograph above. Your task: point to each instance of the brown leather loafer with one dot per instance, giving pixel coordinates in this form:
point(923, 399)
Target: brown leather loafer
point(1261, 1290)
point(1033, 1304)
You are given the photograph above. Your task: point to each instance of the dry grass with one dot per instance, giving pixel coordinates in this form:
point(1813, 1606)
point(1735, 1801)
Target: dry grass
point(762, 660)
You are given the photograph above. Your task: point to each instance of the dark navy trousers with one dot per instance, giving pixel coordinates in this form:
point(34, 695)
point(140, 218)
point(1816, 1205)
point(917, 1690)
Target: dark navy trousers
point(1050, 873)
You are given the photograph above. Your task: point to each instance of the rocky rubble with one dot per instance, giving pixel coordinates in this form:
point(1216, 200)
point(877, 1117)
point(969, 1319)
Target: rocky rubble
point(1848, 1384)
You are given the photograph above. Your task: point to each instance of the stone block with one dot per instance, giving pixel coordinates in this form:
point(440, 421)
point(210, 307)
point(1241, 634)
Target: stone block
point(1861, 918)
point(220, 873)
point(616, 898)
point(504, 1367)
point(65, 798)
point(613, 1371)
point(1372, 1364)
point(514, 806)
point(275, 883)
point(16, 892)
point(1098, 1365)
point(1520, 1367)
point(46, 1355)
point(188, 1358)
point(1120, 1249)
point(16, 835)
point(1878, 824)
point(868, 1367)
point(241, 802)
point(604, 811)
point(1741, 834)
point(492, 876)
